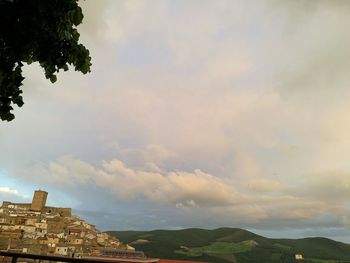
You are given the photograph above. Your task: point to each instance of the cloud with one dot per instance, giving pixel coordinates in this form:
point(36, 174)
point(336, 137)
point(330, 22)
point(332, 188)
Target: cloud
point(127, 183)
point(264, 185)
point(310, 64)
point(188, 203)
point(94, 24)
point(234, 109)
point(10, 194)
point(335, 183)
point(294, 208)
point(7, 190)
point(190, 192)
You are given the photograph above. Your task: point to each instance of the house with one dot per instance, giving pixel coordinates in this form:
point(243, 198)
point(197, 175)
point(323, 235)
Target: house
point(74, 231)
point(30, 235)
point(64, 250)
point(27, 229)
point(75, 241)
point(61, 250)
point(62, 235)
point(31, 221)
point(41, 225)
point(52, 239)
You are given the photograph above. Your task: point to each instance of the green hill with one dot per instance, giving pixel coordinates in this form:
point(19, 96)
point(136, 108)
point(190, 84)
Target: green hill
point(236, 245)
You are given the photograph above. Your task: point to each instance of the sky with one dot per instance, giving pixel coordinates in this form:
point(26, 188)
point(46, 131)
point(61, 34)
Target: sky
point(195, 114)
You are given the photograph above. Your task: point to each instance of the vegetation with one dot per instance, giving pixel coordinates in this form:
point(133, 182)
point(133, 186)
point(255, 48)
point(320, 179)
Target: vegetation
point(234, 245)
point(216, 248)
point(42, 31)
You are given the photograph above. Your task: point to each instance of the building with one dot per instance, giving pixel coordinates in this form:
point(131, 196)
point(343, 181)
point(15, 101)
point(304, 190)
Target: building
point(47, 230)
point(37, 206)
point(39, 201)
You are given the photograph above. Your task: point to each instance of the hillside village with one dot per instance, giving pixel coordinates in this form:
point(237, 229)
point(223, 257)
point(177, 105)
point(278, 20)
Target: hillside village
point(39, 229)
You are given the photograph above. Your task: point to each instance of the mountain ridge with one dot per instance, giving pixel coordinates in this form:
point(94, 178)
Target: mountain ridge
point(225, 244)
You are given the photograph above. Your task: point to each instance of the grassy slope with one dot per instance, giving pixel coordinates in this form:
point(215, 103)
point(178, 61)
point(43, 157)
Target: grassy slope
point(323, 248)
point(203, 243)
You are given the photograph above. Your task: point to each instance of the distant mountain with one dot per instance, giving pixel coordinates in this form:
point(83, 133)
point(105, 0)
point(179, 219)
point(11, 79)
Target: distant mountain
point(235, 245)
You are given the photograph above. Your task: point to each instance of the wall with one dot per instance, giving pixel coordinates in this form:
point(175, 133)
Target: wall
point(65, 212)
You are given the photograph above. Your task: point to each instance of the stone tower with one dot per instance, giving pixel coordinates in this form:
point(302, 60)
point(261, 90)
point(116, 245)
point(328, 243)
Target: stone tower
point(39, 201)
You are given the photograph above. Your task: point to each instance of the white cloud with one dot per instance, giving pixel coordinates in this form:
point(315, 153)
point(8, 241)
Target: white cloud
point(197, 190)
point(7, 190)
point(188, 203)
point(127, 183)
point(10, 194)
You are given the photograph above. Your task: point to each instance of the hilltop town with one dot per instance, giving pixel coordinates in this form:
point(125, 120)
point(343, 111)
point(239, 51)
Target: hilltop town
point(40, 229)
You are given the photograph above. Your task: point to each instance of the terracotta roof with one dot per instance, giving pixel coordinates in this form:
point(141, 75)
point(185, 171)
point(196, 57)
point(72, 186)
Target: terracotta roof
point(75, 230)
